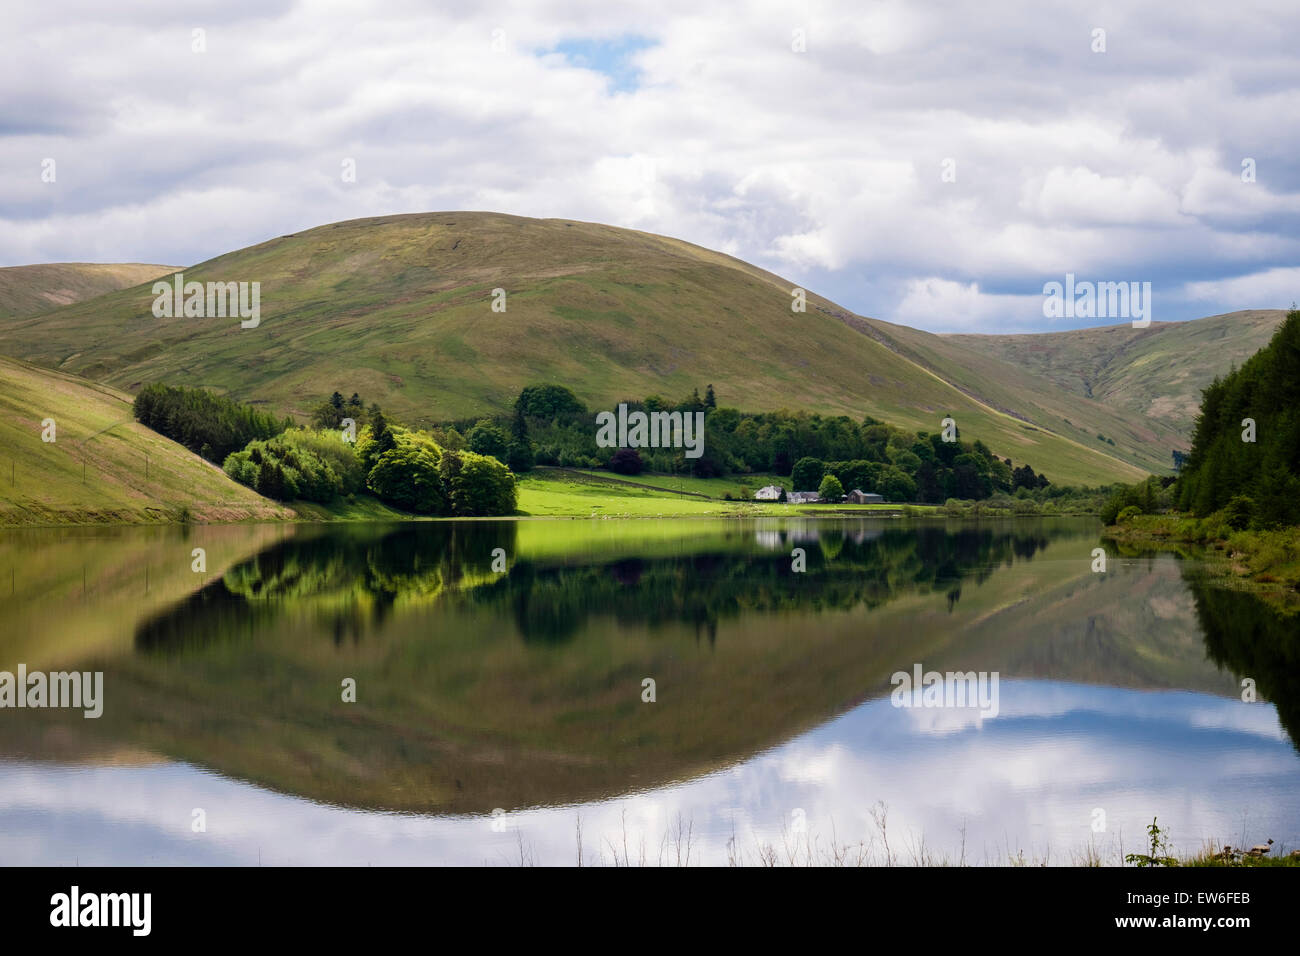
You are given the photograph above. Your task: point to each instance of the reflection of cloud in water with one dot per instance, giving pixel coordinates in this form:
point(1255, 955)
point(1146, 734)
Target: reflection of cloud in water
point(1208, 767)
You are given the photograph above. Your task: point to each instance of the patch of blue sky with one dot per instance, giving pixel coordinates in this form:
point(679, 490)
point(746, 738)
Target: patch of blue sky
point(610, 56)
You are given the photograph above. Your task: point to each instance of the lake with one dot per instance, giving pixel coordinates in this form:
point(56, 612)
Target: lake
point(636, 691)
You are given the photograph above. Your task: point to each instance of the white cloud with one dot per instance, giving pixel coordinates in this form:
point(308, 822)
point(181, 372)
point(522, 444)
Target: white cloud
point(1121, 164)
point(1083, 196)
point(961, 307)
point(1271, 289)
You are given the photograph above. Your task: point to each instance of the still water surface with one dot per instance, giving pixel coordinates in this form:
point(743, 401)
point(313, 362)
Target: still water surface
point(500, 714)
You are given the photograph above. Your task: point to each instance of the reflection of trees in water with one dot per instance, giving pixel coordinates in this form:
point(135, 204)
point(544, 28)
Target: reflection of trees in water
point(351, 580)
point(552, 603)
point(1249, 638)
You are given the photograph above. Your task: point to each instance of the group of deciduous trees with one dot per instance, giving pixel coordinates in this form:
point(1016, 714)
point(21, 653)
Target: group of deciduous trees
point(298, 464)
point(551, 426)
point(331, 413)
point(404, 468)
point(410, 470)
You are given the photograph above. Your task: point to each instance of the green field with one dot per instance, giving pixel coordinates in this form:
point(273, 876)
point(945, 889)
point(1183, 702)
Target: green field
point(690, 485)
point(399, 309)
point(561, 493)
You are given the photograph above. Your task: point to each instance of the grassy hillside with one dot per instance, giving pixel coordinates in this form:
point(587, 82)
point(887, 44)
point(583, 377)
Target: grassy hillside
point(29, 290)
point(1152, 378)
point(97, 438)
point(399, 309)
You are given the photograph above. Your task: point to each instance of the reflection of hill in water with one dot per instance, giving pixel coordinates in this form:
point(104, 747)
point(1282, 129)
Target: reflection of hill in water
point(477, 690)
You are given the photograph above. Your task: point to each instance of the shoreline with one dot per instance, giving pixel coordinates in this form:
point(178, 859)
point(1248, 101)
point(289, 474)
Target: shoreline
point(1265, 563)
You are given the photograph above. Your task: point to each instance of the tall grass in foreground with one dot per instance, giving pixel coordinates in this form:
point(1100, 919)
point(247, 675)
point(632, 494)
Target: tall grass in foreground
point(678, 846)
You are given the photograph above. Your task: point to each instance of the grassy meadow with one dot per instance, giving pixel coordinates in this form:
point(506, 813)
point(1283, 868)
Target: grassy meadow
point(562, 493)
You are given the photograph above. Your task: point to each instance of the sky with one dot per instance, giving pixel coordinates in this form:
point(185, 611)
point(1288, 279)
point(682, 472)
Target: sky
point(930, 164)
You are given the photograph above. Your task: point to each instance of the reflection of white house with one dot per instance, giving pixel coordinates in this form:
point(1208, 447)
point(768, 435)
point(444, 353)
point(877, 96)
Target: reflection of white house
point(802, 497)
point(794, 533)
point(768, 493)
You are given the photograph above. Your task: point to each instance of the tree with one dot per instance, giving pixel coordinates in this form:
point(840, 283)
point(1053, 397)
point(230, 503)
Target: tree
point(1222, 464)
point(1239, 512)
point(336, 400)
point(896, 486)
point(519, 425)
point(520, 457)
point(830, 489)
point(1024, 477)
point(519, 453)
point(626, 461)
point(408, 477)
point(550, 403)
point(710, 400)
point(477, 485)
point(296, 464)
point(449, 470)
point(807, 473)
point(196, 418)
point(374, 440)
point(270, 481)
point(485, 438)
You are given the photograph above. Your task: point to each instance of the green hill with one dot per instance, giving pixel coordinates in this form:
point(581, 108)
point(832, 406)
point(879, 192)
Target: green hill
point(1151, 378)
point(399, 309)
point(30, 290)
point(43, 482)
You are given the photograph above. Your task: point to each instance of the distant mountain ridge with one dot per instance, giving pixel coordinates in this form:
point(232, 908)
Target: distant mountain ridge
point(1157, 372)
point(31, 290)
point(399, 308)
